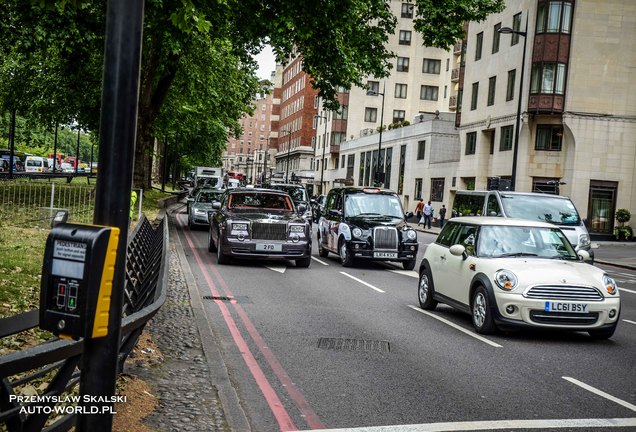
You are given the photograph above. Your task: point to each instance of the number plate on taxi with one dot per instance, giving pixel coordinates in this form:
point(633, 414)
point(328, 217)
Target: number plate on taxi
point(268, 247)
point(551, 306)
point(385, 255)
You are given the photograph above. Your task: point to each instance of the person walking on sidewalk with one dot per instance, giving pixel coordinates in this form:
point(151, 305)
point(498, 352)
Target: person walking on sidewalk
point(428, 214)
point(418, 211)
point(442, 216)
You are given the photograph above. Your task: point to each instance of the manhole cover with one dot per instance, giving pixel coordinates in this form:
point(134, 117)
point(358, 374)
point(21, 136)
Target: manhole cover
point(354, 344)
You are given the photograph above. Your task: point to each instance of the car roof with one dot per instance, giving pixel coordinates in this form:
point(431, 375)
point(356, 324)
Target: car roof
point(495, 220)
point(366, 189)
point(255, 189)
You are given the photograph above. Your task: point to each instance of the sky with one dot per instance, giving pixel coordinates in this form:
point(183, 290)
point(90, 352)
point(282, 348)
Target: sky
point(266, 63)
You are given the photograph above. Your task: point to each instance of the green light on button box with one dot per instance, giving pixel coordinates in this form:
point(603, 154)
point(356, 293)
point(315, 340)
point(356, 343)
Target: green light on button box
point(71, 303)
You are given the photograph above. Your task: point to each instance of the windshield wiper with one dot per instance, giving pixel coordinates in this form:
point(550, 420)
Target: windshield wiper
point(517, 254)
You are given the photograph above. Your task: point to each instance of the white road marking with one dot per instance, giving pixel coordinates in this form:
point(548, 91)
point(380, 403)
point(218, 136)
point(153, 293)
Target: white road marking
point(626, 290)
point(630, 321)
point(622, 274)
point(279, 269)
point(409, 273)
point(458, 327)
point(320, 261)
point(496, 425)
point(362, 282)
point(600, 393)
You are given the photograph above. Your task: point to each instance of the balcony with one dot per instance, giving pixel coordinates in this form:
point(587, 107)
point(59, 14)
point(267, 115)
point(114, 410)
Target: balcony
point(455, 75)
point(334, 148)
point(457, 49)
point(452, 102)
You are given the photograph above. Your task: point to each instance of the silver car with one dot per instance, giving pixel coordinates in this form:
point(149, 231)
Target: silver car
point(202, 206)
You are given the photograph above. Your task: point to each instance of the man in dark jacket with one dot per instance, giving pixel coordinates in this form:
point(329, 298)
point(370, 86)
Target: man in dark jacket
point(442, 216)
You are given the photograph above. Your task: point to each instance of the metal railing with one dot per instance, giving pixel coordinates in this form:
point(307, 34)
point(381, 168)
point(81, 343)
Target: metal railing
point(53, 366)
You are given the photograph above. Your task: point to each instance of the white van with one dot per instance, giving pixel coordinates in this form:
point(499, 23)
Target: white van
point(555, 209)
point(36, 164)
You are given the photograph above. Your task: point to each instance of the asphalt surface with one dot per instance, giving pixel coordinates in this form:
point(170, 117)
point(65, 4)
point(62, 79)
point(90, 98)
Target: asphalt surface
point(331, 347)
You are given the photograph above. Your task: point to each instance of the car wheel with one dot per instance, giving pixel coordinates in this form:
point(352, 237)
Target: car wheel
point(408, 265)
point(425, 290)
point(346, 259)
point(211, 245)
point(605, 333)
point(221, 258)
point(304, 262)
point(321, 250)
point(482, 318)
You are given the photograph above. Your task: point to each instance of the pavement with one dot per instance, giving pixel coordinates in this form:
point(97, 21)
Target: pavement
point(616, 253)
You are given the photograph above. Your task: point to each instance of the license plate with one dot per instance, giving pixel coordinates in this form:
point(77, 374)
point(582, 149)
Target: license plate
point(385, 254)
point(269, 247)
point(566, 307)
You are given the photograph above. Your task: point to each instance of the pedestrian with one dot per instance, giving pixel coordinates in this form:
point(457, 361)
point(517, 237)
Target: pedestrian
point(427, 215)
point(442, 216)
point(418, 210)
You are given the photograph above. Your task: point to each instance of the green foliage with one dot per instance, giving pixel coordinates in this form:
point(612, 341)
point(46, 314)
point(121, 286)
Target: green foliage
point(623, 216)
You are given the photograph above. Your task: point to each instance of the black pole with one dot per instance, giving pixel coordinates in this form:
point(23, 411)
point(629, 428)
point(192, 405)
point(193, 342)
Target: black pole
point(175, 171)
point(164, 172)
point(55, 148)
point(265, 162)
point(288, 150)
point(515, 150)
point(12, 143)
point(377, 170)
point(118, 127)
point(77, 150)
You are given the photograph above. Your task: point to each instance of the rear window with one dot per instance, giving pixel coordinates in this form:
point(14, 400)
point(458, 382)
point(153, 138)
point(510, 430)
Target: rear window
point(551, 209)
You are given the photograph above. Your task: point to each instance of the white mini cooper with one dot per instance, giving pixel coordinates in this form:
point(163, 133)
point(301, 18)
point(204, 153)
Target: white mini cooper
point(511, 273)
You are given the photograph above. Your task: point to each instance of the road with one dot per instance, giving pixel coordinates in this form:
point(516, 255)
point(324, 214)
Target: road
point(334, 347)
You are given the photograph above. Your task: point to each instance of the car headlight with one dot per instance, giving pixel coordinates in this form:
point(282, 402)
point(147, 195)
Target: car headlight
point(506, 280)
point(610, 284)
point(584, 240)
point(356, 232)
point(411, 235)
point(239, 227)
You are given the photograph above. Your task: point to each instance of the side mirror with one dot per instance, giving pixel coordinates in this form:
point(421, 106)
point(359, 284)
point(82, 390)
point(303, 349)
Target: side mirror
point(302, 208)
point(458, 250)
point(584, 255)
point(216, 205)
point(312, 201)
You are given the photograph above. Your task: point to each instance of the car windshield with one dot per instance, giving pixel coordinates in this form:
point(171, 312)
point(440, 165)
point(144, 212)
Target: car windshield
point(259, 200)
point(496, 241)
point(209, 196)
point(559, 211)
point(297, 193)
point(373, 204)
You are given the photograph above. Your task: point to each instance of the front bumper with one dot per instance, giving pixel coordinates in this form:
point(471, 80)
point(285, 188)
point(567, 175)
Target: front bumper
point(200, 219)
point(289, 250)
point(530, 312)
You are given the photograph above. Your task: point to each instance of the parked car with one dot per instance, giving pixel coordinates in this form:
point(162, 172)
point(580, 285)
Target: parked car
point(4, 165)
point(510, 273)
point(259, 224)
point(298, 193)
point(37, 164)
point(67, 167)
point(366, 223)
point(317, 206)
point(201, 206)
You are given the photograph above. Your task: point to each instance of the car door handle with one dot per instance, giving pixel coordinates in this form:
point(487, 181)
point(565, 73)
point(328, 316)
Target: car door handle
point(442, 257)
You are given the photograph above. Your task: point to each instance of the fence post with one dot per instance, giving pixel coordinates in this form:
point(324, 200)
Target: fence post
point(52, 201)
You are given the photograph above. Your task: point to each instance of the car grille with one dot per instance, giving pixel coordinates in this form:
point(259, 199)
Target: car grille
point(269, 231)
point(564, 292)
point(385, 238)
point(563, 318)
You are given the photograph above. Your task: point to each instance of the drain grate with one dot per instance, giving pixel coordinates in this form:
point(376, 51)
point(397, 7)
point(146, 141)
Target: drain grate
point(236, 299)
point(354, 344)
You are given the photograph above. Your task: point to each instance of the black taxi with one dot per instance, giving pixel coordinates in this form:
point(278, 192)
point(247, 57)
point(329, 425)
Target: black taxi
point(366, 223)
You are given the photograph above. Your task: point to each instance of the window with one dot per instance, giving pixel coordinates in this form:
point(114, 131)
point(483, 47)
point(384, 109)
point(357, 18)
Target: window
point(429, 92)
point(492, 142)
point(342, 113)
point(447, 64)
point(400, 91)
point(407, 10)
point(374, 86)
point(350, 162)
point(371, 115)
point(495, 38)
point(510, 87)
point(516, 26)
point(554, 16)
point(421, 150)
point(342, 164)
point(402, 64)
point(548, 78)
point(431, 66)
point(478, 45)
point(398, 115)
point(445, 91)
point(505, 142)
point(405, 37)
point(449, 232)
point(338, 137)
point(474, 96)
point(400, 188)
point(549, 137)
point(418, 188)
point(437, 189)
point(471, 143)
point(492, 85)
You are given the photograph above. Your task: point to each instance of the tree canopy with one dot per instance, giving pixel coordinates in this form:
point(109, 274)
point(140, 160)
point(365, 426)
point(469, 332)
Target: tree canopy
point(197, 72)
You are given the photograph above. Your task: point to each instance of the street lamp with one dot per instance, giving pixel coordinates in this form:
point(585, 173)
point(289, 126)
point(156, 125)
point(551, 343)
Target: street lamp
point(288, 131)
point(378, 173)
point(324, 144)
point(515, 148)
point(265, 162)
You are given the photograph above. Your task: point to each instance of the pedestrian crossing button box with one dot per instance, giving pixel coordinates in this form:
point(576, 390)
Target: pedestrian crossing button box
point(77, 280)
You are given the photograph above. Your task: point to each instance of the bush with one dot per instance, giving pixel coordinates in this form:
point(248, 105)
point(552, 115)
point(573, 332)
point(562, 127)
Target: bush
point(623, 216)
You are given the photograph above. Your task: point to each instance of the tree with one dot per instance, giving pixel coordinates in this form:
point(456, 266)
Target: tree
point(197, 69)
